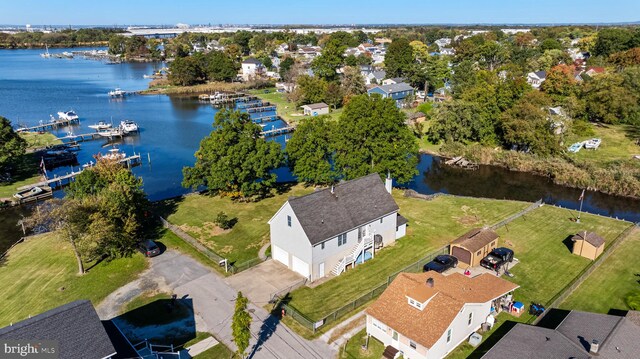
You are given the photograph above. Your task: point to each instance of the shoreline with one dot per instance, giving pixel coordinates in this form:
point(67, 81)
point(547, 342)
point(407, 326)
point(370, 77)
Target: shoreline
point(162, 87)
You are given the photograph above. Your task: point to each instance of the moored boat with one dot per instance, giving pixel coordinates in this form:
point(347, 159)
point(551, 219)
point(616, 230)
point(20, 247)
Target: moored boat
point(68, 115)
point(114, 132)
point(31, 192)
point(101, 125)
point(129, 126)
point(118, 92)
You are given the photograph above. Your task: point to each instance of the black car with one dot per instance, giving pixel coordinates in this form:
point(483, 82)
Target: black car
point(497, 258)
point(441, 263)
point(149, 248)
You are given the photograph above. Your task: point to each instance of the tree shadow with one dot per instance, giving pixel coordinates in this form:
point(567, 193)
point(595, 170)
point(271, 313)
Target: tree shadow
point(633, 132)
point(284, 187)
point(166, 207)
point(266, 331)
point(568, 243)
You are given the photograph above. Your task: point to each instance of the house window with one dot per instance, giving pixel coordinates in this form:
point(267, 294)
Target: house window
point(448, 335)
point(322, 245)
point(289, 221)
point(379, 325)
point(479, 253)
point(470, 318)
point(381, 219)
point(412, 344)
point(395, 335)
point(342, 239)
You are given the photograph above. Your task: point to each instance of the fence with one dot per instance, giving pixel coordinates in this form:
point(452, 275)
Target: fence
point(584, 274)
point(504, 222)
point(360, 301)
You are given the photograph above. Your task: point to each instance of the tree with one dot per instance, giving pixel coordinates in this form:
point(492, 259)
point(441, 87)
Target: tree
point(241, 324)
point(285, 66)
point(334, 94)
point(623, 59)
point(550, 44)
point(611, 40)
point(186, 71)
point(234, 159)
point(457, 121)
point(352, 83)
point(371, 136)
point(526, 125)
point(309, 151)
point(220, 66)
point(491, 54)
point(607, 99)
point(310, 90)
point(11, 144)
point(560, 81)
point(420, 50)
point(117, 44)
point(326, 65)
point(399, 58)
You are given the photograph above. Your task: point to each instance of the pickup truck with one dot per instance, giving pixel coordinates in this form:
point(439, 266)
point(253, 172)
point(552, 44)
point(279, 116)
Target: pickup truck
point(497, 258)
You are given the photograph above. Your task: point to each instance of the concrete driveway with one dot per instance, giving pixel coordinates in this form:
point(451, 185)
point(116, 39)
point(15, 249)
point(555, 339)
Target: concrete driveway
point(260, 282)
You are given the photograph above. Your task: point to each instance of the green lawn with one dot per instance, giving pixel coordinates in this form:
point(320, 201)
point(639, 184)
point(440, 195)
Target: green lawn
point(219, 351)
point(38, 140)
point(353, 349)
point(286, 109)
point(41, 274)
point(195, 215)
point(607, 287)
point(539, 240)
point(171, 241)
point(432, 224)
point(26, 171)
point(618, 143)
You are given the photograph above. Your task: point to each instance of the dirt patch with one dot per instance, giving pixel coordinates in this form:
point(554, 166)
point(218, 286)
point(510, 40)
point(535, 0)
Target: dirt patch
point(468, 220)
point(208, 230)
point(226, 249)
point(509, 243)
point(469, 217)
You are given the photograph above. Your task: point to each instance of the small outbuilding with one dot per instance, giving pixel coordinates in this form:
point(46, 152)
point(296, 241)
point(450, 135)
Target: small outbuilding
point(588, 244)
point(316, 109)
point(474, 245)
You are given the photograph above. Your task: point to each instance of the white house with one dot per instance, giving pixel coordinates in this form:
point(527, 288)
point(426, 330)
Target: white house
point(316, 109)
point(334, 229)
point(375, 77)
point(535, 79)
point(252, 68)
point(282, 49)
point(427, 315)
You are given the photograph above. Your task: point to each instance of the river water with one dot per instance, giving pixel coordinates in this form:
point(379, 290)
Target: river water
point(32, 88)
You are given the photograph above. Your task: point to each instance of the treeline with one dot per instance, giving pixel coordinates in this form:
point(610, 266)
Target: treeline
point(64, 38)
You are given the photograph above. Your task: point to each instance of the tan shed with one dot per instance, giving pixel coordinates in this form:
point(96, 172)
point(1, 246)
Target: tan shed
point(474, 245)
point(588, 244)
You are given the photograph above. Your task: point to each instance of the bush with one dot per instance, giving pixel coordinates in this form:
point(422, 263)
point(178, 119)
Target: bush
point(633, 300)
point(425, 108)
point(582, 128)
point(223, 221)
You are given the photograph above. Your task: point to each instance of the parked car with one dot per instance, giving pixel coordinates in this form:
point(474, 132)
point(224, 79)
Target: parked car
point(497, 258)
point(149, 248)
point(441, 263)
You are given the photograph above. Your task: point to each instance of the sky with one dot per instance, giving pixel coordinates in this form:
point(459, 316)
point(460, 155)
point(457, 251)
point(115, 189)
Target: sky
point(169, 12)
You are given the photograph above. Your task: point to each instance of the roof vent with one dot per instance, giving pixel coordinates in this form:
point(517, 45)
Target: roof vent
point(430, 282)
point(595, 345)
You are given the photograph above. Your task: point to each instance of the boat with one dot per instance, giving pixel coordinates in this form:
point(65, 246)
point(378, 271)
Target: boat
point(576, 147)
point(67, 55)
point(31, 192)
point(114, 132)
point(593, 144)
point(118, 92)
point(46, 53)
point(128, 126)
point(68, 115)
point(101, 125)
point(203, 97)
point(115, 155)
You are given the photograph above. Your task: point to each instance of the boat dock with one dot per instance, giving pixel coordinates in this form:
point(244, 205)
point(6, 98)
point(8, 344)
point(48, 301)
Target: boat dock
point(250, 104)
point(264, 119)
point(221, 98)
point(270, 108)
point(51, 125)
point(277, 131)
point(58, 182)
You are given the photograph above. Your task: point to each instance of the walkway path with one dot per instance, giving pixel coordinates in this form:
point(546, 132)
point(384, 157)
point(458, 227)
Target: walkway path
point(213, 302)
point(262, 254)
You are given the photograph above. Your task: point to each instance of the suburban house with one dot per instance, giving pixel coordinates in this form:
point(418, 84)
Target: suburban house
point(375, 77)
point(315, 109)
point(588, 244)
point(252, 68)
point(336, 228)
point(472, 246)
point(76, 330)
point(578, 335)
point(443, 42)
point(535, 79)
point(398, 92)
point(393, 81)
point(282, 49)
point(427, 315)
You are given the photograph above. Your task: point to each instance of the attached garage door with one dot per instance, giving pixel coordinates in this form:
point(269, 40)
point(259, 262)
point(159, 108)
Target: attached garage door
point(300, 266)
point(280, 255)
point(463, 255)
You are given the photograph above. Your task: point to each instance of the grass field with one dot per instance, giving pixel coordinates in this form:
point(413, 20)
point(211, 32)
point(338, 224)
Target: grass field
point(618, 143)
point(195, 215)
point(39, 140)
point(219, 351)
point(432, 224)
point(353, 349)
point(541, 242)
point(286, 109)
point(607, 287)
point(41, 274)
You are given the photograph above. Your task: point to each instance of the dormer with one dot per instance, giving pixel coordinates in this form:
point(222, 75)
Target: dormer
point(419, 296)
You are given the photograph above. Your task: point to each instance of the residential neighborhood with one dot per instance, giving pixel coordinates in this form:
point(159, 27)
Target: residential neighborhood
point(320, 180)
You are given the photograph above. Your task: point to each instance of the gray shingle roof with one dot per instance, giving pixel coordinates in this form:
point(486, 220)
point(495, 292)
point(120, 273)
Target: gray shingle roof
point(75, 326)
point(324, 215)
point(541, 74)
point(315, 106)
point(623, 343)
point(396, 87)
point(252, 60)
point(582, 327)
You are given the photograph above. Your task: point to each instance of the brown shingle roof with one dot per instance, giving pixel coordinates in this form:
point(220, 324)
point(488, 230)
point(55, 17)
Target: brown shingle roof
point(590, 237)
point(451, 293)
point(476, 239)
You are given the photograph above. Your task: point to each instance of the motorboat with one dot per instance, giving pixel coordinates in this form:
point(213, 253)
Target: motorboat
point(576, 147)
point(68, 115)
point(593, 144)
point(67, 54)
point(31, 192)
point(101, 125)
point(118, 92)
point(115, 155)
point(129, 126)
point(113, 132)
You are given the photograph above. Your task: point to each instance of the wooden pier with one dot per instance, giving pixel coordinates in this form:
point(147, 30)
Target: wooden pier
point(269, 108)
point(51, 125)
point(246, 98)
point(277, 131)
point(222, 98)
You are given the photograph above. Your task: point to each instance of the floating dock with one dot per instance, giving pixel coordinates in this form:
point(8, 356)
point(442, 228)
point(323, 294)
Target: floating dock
point(270, 108)
point(264, 119)
point(51, 125)
point(277, 131)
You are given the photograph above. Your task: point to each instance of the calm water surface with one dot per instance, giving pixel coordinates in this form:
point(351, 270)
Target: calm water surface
point(31, 88)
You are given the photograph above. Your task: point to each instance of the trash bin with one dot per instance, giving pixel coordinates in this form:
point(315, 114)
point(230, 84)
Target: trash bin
point(475, 339)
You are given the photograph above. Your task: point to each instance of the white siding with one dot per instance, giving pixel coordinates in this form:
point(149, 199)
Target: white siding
point(401, 231)
point(460, 329)
point(292, 239)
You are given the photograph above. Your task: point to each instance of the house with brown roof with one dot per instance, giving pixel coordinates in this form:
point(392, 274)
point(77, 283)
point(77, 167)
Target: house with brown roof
point(427, 315)
point(588, 244)
point(474, 245)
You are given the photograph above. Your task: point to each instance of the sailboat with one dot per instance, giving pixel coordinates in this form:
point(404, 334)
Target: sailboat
point(46, 53)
